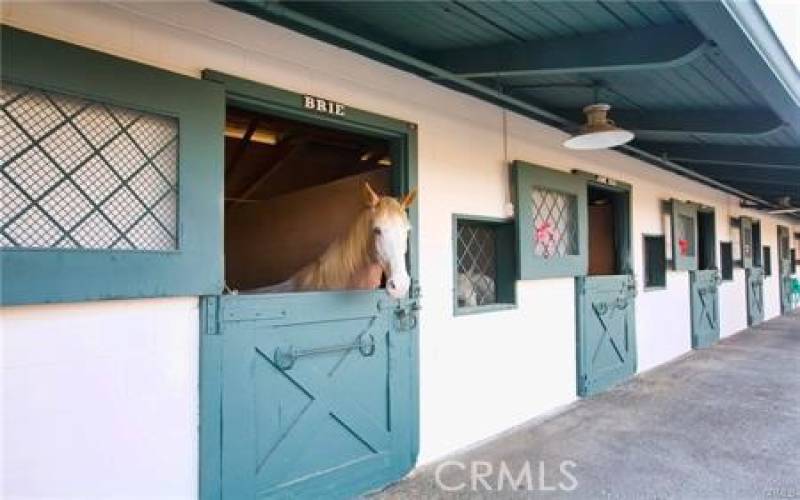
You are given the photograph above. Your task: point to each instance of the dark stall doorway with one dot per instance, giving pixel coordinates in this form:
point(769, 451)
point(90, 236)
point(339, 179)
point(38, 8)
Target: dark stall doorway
point(707, 241)
point(291, 188)
point(607, 228)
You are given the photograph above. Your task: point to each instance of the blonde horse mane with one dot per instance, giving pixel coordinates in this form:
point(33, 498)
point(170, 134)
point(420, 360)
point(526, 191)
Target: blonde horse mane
point(354, 251)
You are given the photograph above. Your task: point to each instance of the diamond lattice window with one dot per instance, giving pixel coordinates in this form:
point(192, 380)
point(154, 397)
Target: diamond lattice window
point(476, 266)
point(81, 174)
point(555, 223)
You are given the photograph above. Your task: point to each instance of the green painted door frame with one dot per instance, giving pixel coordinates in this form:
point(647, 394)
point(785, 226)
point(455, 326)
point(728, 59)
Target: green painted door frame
point(605, 308)
point(251, 331)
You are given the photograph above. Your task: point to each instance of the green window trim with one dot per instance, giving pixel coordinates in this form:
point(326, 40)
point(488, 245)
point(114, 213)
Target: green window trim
point(503, 232)
point(569, 259)
point(46, 275)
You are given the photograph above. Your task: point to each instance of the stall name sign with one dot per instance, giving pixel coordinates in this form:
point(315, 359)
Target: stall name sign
point(325, 106)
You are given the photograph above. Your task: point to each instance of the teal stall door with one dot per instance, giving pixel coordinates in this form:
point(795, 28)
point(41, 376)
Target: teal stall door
point(785, 269)
point(606, 331)
point(704, 305)
point(317, 394)
point(754, 281)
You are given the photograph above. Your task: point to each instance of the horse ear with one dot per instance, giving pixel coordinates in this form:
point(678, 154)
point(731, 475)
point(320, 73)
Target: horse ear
point(409, 198)
point(371, 198)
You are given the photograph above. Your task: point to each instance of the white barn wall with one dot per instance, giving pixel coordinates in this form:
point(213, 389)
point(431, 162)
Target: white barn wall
point(100, 399)
point(480, 374)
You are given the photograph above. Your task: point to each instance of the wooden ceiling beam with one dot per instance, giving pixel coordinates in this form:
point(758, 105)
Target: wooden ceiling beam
point(653, 47)
point(755, 156)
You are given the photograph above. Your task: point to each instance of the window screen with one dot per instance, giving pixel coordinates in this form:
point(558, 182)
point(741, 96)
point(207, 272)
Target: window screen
point(485, 263)
point(655, 263)
point(477, 265)
point(736, 241)
point(767, 261)
point(80, 174)
point(686, 235)
point(726, 260)
point(555, 223)
point(747, 243)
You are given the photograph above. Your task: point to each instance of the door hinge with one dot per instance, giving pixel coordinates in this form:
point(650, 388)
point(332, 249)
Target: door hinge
point(209, 315)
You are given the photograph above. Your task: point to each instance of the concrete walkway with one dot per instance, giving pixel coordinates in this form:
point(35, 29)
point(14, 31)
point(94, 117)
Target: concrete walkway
point(718, 423)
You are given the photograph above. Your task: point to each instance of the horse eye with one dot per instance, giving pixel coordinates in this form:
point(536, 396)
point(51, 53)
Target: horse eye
point(377, 231)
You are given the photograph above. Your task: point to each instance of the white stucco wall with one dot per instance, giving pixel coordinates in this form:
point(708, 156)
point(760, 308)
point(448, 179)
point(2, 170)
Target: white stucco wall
point(100, 399)
point(480, 374)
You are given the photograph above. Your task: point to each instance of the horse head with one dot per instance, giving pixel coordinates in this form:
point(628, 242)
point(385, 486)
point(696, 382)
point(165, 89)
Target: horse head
point(389, 228)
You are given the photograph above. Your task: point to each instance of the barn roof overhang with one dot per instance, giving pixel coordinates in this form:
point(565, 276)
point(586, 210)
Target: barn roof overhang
point(706, 86)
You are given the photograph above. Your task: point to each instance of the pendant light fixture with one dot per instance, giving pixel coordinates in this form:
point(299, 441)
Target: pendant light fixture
point(599, 132)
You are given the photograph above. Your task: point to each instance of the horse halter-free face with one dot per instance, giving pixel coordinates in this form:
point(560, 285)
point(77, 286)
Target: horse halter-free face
point(390, 228)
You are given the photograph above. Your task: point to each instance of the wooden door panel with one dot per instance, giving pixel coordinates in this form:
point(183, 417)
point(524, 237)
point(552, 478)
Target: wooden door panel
point(606, 332)
point(316, 394)
point(704, 305)
point(754, 283)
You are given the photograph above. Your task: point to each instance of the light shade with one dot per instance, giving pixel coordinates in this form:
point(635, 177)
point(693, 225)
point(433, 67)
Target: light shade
point(599, 132)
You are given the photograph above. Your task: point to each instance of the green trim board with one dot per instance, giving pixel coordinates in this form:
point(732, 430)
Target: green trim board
point(401, 342)
point(67, 275)
point(504, 231)
point(552, 222)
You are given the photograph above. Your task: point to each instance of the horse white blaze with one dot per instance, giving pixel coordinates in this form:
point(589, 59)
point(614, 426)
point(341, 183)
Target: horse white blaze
point(391, 246)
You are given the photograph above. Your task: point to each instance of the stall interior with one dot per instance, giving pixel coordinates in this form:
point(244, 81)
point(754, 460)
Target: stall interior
point(291, 188)
point(608, 244)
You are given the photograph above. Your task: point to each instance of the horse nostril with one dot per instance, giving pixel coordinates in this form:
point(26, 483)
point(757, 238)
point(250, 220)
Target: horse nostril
point(390, 284)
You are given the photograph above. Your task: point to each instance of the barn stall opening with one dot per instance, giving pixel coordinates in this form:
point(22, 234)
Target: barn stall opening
point(282, 367)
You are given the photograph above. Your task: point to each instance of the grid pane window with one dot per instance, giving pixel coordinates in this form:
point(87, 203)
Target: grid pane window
point(476, 265)
point(555, 223)
point(686, 239)
point(75, 173)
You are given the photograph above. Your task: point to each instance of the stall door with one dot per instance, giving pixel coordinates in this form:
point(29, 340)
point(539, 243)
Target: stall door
point(754, 281)
point(704, 304)
point(606, 331)
point(317, 393)
point(784, 269)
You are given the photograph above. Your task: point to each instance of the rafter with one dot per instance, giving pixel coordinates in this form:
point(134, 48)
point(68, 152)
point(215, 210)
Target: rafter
point(648, 48)
point(753, 156)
